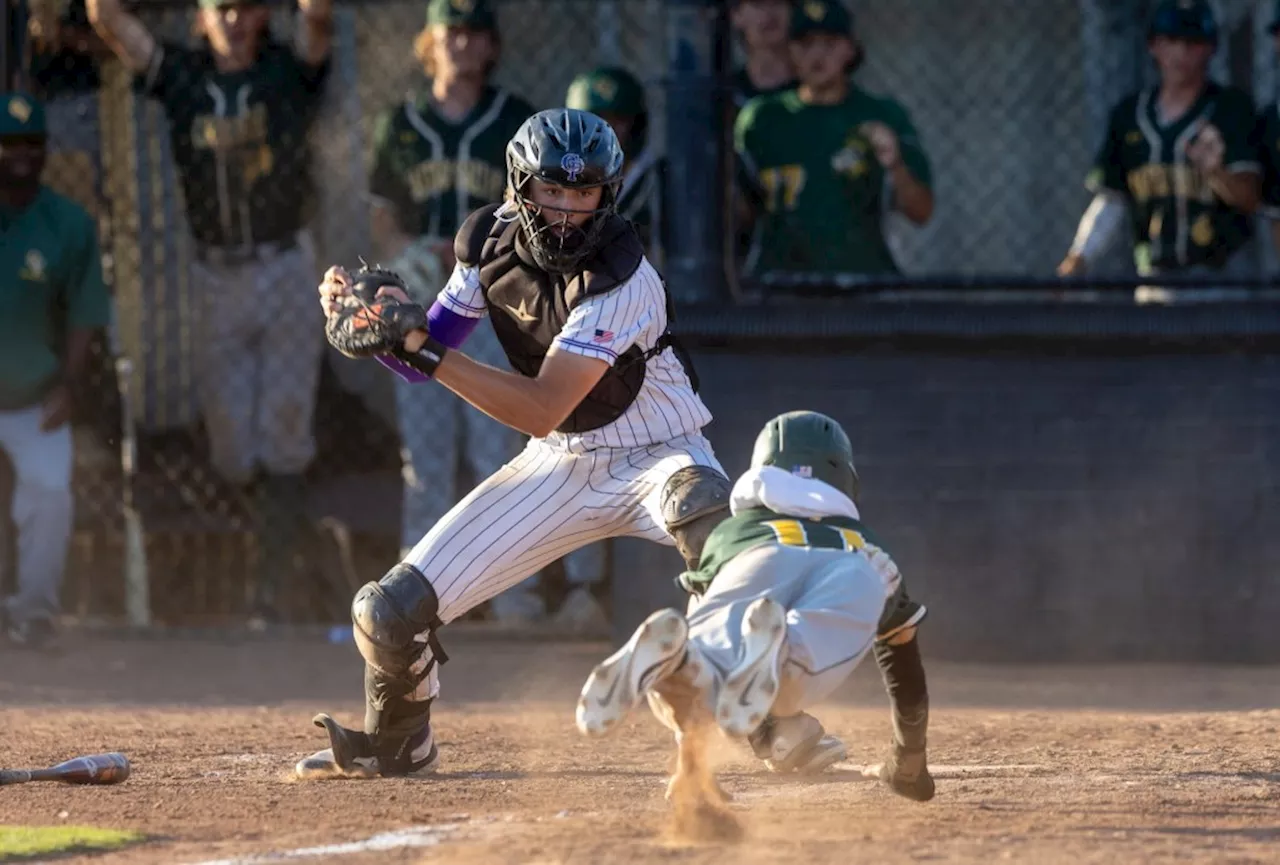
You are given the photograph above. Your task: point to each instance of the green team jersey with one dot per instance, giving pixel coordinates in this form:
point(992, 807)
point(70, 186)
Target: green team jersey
point(432, 172)
point(240, 140)
point(1177, 219)
point(52, 283)
point(756, 527)
point(821, 192)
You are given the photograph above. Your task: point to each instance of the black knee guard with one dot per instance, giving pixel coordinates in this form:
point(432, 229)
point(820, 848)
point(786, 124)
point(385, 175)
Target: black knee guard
point(390, 618)
point(695, 500)
point(904, 679)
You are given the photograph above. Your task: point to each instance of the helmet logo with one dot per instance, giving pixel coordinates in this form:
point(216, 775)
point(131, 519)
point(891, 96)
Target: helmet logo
point(572, 164)
point(802, 471)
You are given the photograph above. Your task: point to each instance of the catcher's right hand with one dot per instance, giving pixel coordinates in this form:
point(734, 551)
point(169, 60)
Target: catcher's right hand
point(369, 312)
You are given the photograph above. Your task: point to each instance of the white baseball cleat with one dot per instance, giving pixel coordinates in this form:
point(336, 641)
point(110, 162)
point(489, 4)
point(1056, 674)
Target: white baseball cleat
point(749, 690)
point(618, 683)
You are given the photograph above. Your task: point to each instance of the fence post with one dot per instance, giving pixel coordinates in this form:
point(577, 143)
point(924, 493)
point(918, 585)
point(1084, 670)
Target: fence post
point(695, 176)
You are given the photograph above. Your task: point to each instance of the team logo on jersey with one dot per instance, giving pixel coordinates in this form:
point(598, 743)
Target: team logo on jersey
point(1202, 231)
point(572, 165)
point(34, 267)
point(19, 109)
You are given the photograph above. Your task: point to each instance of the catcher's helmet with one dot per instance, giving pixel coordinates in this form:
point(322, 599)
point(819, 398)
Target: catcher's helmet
point(612, 90)
point(570, 148)
point(808, 444)
point(1184, 19)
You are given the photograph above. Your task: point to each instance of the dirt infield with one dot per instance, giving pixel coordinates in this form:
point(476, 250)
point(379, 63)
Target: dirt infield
point(1066, 764)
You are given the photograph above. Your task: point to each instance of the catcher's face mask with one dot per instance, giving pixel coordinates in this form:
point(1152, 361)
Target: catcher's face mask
point(562, 223)
point(565, 169)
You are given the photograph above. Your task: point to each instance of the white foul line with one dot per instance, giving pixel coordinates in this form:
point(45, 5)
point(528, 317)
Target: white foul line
point(415, 836)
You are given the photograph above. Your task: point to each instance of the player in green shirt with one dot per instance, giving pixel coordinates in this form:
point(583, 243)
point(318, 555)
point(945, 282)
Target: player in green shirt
point(828, 160)
point(1181, 160)
point(618, 96)
point(790, 593)
point(52, 300)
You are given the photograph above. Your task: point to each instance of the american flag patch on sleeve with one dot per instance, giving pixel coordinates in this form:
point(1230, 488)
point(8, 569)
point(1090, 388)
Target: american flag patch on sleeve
point(603, 336)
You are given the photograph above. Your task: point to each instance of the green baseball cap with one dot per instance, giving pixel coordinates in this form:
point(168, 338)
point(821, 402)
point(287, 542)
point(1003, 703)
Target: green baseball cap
point(21, 114)
point(608, 89)
point(820, 16)
point(476, 14)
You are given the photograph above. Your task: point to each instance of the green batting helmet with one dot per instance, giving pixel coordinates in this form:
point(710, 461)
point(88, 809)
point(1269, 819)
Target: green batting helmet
point(1184, 19)
point(810, 445)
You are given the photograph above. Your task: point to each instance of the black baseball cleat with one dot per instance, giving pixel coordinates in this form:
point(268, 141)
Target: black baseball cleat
point(906, 772)
point(354, 754)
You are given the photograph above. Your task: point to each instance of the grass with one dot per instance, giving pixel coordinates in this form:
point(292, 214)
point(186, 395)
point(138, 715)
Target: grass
point(25, 842)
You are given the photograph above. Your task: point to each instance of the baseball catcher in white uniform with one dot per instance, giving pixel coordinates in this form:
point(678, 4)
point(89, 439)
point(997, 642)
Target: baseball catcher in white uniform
point(599, 384)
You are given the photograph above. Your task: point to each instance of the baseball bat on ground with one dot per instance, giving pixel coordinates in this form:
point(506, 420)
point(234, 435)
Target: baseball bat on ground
point(98, 769)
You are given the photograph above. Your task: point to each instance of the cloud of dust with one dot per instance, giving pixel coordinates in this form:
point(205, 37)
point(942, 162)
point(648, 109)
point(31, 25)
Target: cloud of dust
point(699, 809)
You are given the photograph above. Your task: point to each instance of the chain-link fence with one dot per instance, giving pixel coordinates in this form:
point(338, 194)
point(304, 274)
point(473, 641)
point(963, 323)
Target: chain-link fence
point(213, 288)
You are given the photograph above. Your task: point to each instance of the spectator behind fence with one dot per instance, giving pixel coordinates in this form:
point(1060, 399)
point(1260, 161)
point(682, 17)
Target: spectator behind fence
point(65, 73)
point(825, 163)
point(1181, 160)
point(439, 155)
point(239, 110)
point(54, 301)
point(762, 25)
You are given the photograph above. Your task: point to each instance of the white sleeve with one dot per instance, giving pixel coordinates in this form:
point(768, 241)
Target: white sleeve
point(1101, 226)
point(606, 325)
point(463, 294)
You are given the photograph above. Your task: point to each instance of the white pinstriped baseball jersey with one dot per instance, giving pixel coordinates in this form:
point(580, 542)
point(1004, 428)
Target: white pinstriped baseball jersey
point(604, 326)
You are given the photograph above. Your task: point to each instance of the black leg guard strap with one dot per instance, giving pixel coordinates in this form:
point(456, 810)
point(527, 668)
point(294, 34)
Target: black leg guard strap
point(904, 679)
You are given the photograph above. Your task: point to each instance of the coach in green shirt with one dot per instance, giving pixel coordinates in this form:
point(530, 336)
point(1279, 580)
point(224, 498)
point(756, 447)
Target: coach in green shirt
point(52, 299)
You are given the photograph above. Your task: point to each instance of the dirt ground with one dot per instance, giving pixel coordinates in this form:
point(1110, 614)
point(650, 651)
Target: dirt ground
point(1034, 764)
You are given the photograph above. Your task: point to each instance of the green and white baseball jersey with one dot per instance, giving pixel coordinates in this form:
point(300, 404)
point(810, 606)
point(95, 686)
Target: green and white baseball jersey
point(433, 173)
point(1177, 219)
point(822, 194)
point(240, 140)
point(755, 527)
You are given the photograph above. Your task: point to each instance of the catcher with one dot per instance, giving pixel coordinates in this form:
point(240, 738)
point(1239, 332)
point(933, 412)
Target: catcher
point(789, 595)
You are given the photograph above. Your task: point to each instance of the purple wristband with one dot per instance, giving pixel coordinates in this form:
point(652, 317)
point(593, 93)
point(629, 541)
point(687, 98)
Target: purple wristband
point(402, 369)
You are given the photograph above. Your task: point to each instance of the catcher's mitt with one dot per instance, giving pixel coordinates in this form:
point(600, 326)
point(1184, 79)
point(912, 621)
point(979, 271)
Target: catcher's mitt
point(370, 325)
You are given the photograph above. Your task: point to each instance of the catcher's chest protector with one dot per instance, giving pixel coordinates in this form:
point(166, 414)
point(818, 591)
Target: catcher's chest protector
point(529, 306)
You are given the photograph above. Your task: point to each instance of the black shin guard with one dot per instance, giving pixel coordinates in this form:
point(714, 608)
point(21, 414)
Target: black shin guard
point(390, 617)
point(904, 679)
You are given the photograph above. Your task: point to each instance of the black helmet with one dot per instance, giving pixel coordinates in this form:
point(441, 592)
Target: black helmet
point(570, 148)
